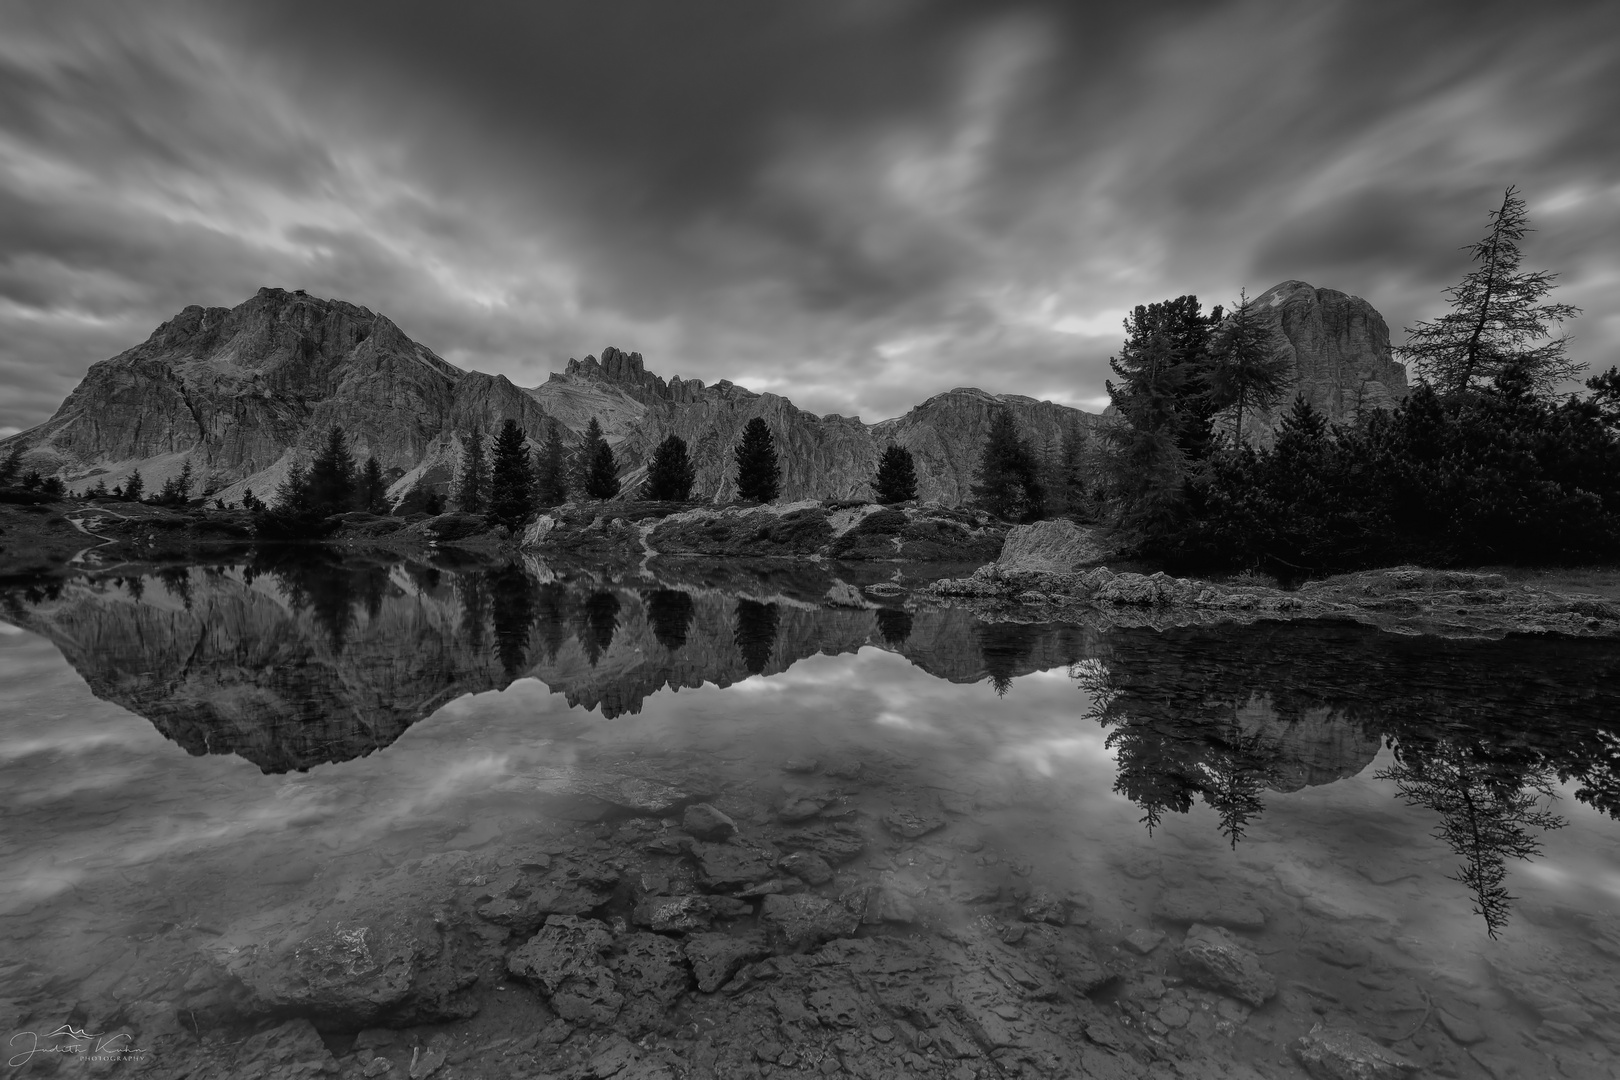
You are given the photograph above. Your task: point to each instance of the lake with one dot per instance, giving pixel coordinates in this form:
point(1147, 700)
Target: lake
point(496, 820)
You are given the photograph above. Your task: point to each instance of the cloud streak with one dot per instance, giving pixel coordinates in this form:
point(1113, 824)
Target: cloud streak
point(855, 204)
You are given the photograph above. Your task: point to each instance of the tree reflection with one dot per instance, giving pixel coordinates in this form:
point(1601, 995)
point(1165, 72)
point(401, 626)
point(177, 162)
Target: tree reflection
point(1487, 814)
point(552, 616)
point(670, 613)
point(894, 624)
point(1006, 649)
point(512, 611)
point(600, 617)
point(755, 634)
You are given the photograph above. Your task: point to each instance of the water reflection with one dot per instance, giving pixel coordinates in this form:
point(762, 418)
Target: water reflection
point(293, 660)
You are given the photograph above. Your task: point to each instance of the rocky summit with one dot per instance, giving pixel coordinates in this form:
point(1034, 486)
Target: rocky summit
point(241, 394)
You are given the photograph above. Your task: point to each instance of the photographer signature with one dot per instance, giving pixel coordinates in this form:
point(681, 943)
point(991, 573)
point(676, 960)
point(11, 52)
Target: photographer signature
point(68, 1039)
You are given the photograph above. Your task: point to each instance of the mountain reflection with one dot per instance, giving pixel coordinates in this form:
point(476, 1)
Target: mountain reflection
point(297, 659)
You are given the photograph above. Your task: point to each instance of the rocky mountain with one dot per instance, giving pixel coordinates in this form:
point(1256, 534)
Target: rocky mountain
point(1339, 347)
point(243, 393)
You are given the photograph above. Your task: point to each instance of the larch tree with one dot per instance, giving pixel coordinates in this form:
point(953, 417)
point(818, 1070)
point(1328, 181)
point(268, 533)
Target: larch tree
point(896, 479)
point(1247, 372)
point(759, 474)
point(1498, 319)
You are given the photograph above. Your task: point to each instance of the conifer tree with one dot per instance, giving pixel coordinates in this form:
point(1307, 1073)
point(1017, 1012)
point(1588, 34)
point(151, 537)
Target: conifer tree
point(1496, 316)
point(372, 495)
point(759, 476)
point(598, 471)
point(551, 469)
point(1166, 356)
point(1006, 480)
point(176, 489)
point(134, 486)
point(330, 480)
point(511, 484)
point(896, 479)
point(671, 473)
point(11, 465)
point(1247, 373)
point(472, 489)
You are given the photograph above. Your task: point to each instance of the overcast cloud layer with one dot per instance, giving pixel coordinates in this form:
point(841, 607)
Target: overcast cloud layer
point(856, 204)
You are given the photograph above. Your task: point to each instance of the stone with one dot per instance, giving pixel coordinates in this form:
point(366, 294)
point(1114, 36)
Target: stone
point(1212, 906)
point(1055, 546)
point(799, 809)
point(807, 866)
point(650, 970)
point(565, 959)
point(1212, 958)
point(673, 914)
point(732, 866)
point(292, 1049)
point(803, 920)
point(1463, 1030)
point(1332, 1053)
point(707, 823)
point(1042, 906)
point(837, 843)
point(911, 824)
point(1143, 940)
point(715, 958)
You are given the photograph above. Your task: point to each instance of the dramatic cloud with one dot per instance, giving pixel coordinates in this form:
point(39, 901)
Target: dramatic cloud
point(853, 202)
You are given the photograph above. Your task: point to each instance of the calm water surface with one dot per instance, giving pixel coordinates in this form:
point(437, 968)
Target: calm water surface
point(192, 761)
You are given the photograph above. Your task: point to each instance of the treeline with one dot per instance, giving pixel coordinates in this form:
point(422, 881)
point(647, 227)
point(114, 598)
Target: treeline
point(1485, 461)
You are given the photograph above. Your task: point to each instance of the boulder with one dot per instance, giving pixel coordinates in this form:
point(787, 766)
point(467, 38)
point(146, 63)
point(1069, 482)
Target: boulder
point(565, 959)
point(707, 823)
point(732, 866)
point(291, 1051)
point(804, 920)
point(715, 958)
point(1051, 547)
point(1332, 1053)
point(1212, 958)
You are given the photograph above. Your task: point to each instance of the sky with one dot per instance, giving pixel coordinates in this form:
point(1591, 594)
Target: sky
point(854, 203)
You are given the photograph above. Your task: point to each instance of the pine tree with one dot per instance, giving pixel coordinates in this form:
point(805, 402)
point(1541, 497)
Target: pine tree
point(759, 476)
point(1247, 373)
point(551, 469)
point(11, 465)
point(1062, 475)
point(1166, 356)
point(896, 479)
point(511, 484)
point(671, 473)
point(177, 489)
point(371, 491)
point(596, 470)
point(292, 494)
point(134, 486)
point(1496, 314)
point(1006, 480)
point(99, 491)
point(330, 480)
point(473, 484)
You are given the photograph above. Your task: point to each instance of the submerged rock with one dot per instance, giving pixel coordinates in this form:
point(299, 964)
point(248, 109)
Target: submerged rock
point(715, 958)
point(1210, 906)
point(292, 1050)
point(732, 866)
point(803, 920)
point(1330, 1053)
point(565, 960)
point(1212, 958)
point(707, 823)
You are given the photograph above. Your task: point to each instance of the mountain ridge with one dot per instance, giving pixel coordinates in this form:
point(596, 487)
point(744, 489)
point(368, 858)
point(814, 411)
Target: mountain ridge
point(243, 393)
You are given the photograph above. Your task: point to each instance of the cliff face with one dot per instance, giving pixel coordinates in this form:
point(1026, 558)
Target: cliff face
point(1339, 348)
